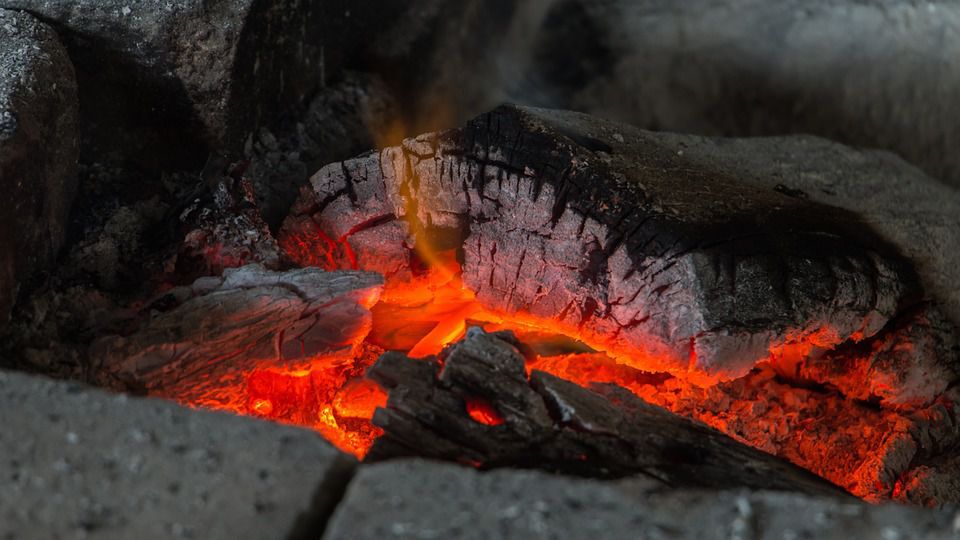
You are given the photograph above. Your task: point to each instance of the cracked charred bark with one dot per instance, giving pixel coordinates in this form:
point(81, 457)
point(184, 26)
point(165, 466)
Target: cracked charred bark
point(555, 424)
point(700, 257)
point(219, 329)
point(668, 263)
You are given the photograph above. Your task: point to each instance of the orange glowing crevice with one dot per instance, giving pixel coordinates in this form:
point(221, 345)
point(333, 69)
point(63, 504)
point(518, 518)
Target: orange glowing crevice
point(423, 315)
point(483, 412)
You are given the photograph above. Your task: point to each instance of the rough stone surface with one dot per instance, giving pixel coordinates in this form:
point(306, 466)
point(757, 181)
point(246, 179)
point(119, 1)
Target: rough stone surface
point(874, 73)
point(79, 463)
point(162, 81)
point(415, 499)
point(38, 149)
point(651, 244)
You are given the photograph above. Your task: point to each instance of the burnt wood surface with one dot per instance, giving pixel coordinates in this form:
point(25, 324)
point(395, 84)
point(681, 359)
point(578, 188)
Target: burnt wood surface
point(195, 341)
point(551, 423)
point(679, 254)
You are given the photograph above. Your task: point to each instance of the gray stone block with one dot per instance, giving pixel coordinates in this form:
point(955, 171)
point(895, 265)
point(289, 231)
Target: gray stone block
point(38, 149)
point(416, 499)
point(163, 81)
point(80, 463)
point(873, 73)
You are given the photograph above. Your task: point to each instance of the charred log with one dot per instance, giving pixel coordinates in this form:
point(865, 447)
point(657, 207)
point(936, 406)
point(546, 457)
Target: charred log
point(205, 337)
point(668, 261)
point(555, 424)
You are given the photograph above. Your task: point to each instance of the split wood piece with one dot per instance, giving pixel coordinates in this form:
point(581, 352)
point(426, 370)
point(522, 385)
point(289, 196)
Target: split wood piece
point(551, 423)
point(666, 260)
point(225, 327)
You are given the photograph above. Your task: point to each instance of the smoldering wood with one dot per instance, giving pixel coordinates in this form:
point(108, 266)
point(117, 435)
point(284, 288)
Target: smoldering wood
point(555, 424)
point(865, 446)
point(198, 339)
point(688, 256)
point(906, 366)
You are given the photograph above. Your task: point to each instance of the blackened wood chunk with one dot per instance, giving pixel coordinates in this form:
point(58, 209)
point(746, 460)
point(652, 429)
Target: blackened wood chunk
point(38, 149)
point(225, 327)
point(665, 251)
point(555, 424)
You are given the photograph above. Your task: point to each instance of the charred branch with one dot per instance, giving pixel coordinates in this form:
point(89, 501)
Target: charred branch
point(551, 423)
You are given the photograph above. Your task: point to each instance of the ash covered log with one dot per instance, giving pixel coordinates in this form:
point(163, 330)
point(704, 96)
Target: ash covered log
point(215, 331)
point(555, 424)
point(695, 256)
point(38, 149)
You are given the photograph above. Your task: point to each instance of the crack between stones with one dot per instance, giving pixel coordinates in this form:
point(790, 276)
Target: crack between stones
point(327, 497)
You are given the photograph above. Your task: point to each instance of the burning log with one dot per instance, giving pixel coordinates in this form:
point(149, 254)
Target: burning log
point(215, 332)
point(38, 149)
point(868, 448)
point(555, 424)
point(784, 291)
point(651, 254)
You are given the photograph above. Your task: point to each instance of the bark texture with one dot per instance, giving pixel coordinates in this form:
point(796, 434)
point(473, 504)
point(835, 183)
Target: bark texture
point(199, 339)
point(551, 423)
point(38, 149)
point(676, 254)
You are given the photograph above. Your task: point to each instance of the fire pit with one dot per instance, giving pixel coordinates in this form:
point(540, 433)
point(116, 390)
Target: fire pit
point(602, 255)
point(595, 304)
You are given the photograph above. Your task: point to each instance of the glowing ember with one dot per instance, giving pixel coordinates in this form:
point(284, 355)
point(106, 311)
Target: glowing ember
point(483, 412)
point(419, 316)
